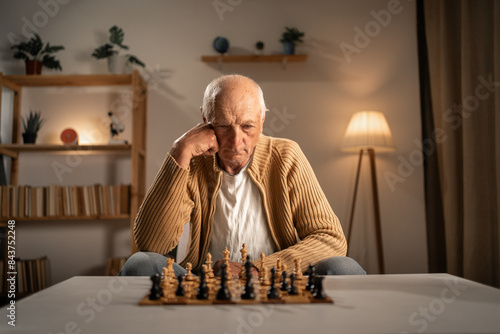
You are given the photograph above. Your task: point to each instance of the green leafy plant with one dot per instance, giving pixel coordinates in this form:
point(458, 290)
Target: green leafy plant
point(33, 122)
point(35, 49)
point(292, 35)
point(114, 47)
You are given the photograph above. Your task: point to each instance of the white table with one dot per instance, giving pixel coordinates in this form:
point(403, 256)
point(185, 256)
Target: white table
point(429, 303)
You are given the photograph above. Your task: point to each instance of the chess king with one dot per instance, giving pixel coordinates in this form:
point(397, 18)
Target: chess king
point(234, 185)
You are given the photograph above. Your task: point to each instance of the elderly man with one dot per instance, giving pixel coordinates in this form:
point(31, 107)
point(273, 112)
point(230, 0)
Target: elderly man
point(235, 185)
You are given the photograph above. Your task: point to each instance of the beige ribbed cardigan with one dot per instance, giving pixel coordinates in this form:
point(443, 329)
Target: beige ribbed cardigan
point(293, 201)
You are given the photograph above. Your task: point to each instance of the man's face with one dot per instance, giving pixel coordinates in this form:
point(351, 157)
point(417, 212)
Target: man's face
point(237, 123)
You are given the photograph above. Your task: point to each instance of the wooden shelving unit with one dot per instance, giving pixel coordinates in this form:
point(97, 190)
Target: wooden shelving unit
point(276, 58)
point(136, 149)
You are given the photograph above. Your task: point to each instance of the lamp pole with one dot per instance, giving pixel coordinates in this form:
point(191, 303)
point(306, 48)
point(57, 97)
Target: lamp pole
point(376, 207)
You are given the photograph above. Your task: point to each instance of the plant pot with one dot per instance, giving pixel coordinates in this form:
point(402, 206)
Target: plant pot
point(288, 48)
point(33, 67)
point(29, 138)
point(118, 64)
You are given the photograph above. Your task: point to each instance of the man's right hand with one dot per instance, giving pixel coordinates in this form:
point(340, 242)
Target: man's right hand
point(200, 140)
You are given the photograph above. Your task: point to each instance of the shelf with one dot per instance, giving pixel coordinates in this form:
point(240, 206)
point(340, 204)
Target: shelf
point(61, 218)
point(278, 58)
point(254, 58)
point(70, 80)
point(13, 150)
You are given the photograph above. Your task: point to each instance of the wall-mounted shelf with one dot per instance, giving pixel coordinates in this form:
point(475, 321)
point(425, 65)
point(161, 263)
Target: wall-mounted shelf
point(277, 58)
point(13, 150)
point(65, 218)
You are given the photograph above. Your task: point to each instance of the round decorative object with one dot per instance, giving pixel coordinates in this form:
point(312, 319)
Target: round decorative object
point(221, 44)
point(69, 137)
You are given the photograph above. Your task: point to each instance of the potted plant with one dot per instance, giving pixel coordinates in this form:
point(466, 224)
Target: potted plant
point(289, 38)
point(37, 54)
point(31, 126)
point(116, 62)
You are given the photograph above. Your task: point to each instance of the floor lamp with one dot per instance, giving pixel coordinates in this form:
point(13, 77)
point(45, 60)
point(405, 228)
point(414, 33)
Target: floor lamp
point(368, 130)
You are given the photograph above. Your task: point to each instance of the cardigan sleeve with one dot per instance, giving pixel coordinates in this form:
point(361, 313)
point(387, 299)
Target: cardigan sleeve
point(318, 228)
point(166, 208)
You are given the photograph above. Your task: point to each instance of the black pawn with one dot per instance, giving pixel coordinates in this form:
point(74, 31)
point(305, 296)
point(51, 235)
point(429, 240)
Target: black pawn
point(202, 287)
point(156, 291)
point(284, 284)
point(248, 292)
point(273, 293)
point(223, 293)
point(310, 281)
point(180, 288)
point(293, 289)
point(319, 293)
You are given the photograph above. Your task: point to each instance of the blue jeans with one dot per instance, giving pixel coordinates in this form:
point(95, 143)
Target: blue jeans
point(148, 264)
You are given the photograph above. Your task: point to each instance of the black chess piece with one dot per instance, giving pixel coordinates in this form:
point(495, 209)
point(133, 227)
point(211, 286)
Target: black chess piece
point(319, 293)
point(273, 293)
point(180, 292)
point(202, 287)
point(293, 288)
point(248, 291)
point(310, 281)
point(156, 291)
point(284, 284)
point(223, 293)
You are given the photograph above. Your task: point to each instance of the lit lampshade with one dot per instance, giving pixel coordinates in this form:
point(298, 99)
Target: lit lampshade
point(368, 129)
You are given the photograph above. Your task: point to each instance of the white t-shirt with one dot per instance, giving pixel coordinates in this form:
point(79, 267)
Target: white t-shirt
point(239, 218)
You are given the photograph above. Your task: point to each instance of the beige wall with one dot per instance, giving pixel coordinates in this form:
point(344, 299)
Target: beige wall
point(309, 102)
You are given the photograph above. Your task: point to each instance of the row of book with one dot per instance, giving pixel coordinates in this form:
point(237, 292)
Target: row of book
point(53, 200)
point(31, 275)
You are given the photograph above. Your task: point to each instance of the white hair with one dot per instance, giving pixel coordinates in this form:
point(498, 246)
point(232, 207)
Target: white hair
point(215, 87)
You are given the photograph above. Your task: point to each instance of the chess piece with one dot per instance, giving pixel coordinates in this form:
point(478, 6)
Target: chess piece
point(244, 252)
point(298, 270)
point(170, 267)
point(279, 269)
point(319, 293)
point(165, 281)
point(180, 292)
point(225, 254)
point(262, 270)
point(284, 284)
point(202, 287)
point(223, 293)
point(310, 281)
point(189, 274)
point(248, 291)
point(273, 293)
point(265, 277)
point(210, 271)
point(156, 291)
point(293, 288)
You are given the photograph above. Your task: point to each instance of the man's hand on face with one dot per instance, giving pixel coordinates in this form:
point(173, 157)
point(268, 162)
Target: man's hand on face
point(200, 140)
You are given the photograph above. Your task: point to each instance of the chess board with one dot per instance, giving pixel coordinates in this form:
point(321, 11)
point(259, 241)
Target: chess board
point(236, 287)
point(269, 287)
